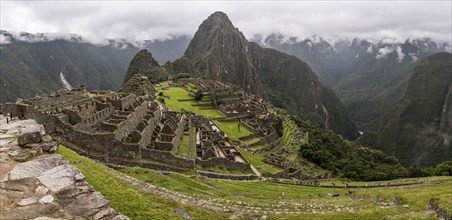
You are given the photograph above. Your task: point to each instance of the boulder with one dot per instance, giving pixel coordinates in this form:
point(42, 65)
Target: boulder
point(50, 147)
point(59, 177)
point(104, 213)
point(29, 138)
point(86, 204)
point(46, 138)
point(21, 185)
point(36, 167)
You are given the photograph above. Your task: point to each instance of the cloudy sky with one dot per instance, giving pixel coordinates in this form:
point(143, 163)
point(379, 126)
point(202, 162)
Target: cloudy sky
point(141, 20)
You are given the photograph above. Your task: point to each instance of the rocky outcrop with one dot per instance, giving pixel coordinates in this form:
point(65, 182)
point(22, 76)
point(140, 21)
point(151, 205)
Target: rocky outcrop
point(141, 64)
point(221, 52)
point(46, 187)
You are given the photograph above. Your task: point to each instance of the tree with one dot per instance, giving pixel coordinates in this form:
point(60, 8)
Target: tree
point(198, 95)
point(444, 169)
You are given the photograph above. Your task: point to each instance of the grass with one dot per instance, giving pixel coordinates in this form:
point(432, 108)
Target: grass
point(175, 93)
point(172, 181)
point(125, 197)
point(187, 146)
point(271, 190)
point(139, 204)
point(231, 129)
point(182, 149)
point(225, 171)
point(256, 161)
point(192, 144)
point(251, 141)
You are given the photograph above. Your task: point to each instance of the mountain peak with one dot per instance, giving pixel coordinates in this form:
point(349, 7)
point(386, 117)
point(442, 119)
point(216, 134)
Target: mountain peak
point(141, 64)
point(216, 21)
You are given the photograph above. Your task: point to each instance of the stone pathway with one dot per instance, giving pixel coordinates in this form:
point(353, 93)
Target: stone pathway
point(46, 186)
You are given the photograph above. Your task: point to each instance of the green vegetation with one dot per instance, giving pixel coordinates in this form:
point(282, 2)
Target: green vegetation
point(137, 85)
point(330, 151)
point(444, 169)
point(173, 94)
point(144, 64)
point(30, 69)
point(415, 128)
point(182, 149)
point(138, 204)
point(233, 130)
point(198, 95)
point(127, 198)
point(256, 161)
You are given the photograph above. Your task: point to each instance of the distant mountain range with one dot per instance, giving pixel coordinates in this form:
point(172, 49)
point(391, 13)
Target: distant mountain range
point(417, 129)
point(34, 64)
point(367, 76)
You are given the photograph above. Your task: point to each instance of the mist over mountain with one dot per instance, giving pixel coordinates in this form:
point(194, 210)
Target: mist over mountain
point(367, 76)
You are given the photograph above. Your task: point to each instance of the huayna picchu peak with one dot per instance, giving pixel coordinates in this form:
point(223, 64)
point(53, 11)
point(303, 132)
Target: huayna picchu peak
point(221, 52)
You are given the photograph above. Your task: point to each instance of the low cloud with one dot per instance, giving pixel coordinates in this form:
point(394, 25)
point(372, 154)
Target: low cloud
point(383, 52)
point(146, 20)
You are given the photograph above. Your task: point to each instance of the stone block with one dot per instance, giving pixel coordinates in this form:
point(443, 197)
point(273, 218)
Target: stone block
point(29, 138)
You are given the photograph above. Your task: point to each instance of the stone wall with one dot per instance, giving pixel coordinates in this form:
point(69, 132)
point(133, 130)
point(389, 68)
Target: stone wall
point(122, 103)
point(223, 163)
point(226, 176)
point(131, 122)
point(98, 116)
point(168, 158)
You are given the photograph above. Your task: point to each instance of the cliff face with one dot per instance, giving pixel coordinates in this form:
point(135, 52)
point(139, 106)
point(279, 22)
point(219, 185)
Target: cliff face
point(417, 129)
point(221, 52)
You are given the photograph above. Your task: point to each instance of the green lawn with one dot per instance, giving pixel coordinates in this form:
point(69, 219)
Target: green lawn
point(251, 141)
point(256, 161)
point(271, 190)
point(182, 150)
point(175, 93)
point(192, 144)
point(231, 129)
point(173, 181)
point(125, 197)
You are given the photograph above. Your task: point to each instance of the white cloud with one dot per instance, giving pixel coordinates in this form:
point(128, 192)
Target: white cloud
point(4, 39)
point(400, 54)
point(144, 20)
point(383, 52)
point(413, 57)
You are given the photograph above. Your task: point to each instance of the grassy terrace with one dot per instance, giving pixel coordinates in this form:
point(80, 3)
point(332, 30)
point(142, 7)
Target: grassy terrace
point(173, 94)
point(231, 128)
point(127, 198)
point(187, 146)
point(138, 204)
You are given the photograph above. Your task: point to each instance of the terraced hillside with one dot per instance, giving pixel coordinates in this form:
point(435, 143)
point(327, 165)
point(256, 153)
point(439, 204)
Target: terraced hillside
point(142, 193)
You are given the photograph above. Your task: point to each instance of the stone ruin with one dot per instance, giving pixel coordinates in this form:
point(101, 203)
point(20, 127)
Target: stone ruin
point(214, 149)
point(125, 129)
point(252, 112)
point(114, 128)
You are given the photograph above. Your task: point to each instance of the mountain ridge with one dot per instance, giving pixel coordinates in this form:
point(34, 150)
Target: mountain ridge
point(220, 51)
point(417, 128)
